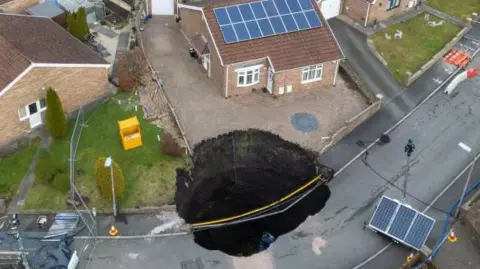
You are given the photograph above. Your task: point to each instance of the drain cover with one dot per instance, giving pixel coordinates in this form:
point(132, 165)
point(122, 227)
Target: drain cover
point(304, 122)
point(192, 264)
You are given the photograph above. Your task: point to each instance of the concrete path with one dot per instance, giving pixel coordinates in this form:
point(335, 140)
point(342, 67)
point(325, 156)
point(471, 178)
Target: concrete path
point(29, 178)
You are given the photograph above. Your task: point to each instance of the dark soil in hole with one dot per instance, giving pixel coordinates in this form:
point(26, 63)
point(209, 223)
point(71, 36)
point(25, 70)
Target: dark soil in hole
point(244, 170)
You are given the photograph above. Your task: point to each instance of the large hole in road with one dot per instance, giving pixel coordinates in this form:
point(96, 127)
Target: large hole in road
point(241, 171)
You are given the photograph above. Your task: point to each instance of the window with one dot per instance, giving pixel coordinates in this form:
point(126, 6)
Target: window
point(312, 73)
point(25, 112)
point(248, 77)
point(393, 4)
point(43, 104)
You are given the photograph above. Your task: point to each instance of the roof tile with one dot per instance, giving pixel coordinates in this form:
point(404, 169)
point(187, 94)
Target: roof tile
point(286, 51)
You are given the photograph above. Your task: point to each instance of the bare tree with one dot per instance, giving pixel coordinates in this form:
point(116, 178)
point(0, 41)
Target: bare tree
point(131, 65)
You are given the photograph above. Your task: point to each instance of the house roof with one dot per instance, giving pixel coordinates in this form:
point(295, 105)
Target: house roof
point(200, 44)
point(28, 39)
point(45, 9)
point(5, 1)
point(286, 51)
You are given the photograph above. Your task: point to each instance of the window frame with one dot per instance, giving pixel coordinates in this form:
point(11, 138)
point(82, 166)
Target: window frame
point(392, 4)
point(40, 109)
point(252, 72)
point(316, 70)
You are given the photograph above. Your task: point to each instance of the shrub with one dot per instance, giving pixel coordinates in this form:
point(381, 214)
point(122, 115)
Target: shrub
point(131, 65)
point(77, 23)
point(46, 168)
point(61, 182)
point(55, 117)
point(104, 180)
point(169, 146)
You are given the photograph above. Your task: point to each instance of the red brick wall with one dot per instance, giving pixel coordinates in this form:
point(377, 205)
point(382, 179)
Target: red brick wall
point(379, 11)
point(355, 9)
point(294, 77)
point(234, 90)
point(75, 87)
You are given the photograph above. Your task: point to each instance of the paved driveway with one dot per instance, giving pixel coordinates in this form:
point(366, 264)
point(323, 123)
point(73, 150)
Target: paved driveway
point(204, 113)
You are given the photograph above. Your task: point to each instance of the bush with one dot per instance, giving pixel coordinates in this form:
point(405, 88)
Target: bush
point(131, 65)
point(169, 146)
point(55, 117)
point(104, 180)
point(77, 23)
point(61, 182)
point(46, 168)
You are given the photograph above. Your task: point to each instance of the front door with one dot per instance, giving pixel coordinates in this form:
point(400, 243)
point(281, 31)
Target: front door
point(206, 63)
point(270, 79)
point(35, 115)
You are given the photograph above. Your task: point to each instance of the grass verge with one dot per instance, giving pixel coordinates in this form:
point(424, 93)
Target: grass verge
point(149, 174)
point(458, 9)
point(420, 42)
point(13, 168)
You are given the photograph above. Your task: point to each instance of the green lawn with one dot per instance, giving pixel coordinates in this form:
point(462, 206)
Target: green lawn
point(149, 174)
point(419, 44)
point(13, 168)
point(459, 9)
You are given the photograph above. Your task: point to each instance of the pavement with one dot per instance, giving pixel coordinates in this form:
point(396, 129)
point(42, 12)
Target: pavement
point(328, 238)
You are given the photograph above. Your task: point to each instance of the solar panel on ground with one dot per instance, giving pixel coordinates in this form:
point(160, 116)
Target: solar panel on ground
point(421, 228)
point(383, 214)
point(265, 18)
point(401, 222)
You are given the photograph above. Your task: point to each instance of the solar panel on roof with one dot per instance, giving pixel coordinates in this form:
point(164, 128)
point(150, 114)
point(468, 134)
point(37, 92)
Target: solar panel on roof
point(265, 18)
point(383, 214)
point(253, 29)
point(421, 228)
point(402, 221)
point(222, 16)
point(234, 14)
point(228, 33)
point(282, 7)
point(241, 31)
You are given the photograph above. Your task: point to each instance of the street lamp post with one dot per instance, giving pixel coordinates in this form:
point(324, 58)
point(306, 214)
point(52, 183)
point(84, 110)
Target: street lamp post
point(109, 163)
point(469, 150)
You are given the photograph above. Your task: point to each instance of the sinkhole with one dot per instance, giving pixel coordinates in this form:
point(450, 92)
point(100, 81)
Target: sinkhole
point(241, 171)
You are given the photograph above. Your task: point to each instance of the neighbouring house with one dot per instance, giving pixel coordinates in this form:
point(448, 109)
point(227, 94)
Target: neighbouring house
point(52, 11)
point(368, 12)
point(276, 46)
point(16, 6)
point(36, 53)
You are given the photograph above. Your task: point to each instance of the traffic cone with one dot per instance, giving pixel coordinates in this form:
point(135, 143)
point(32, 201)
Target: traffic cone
point(410, 257)
point(451, 237)
point(113, 231)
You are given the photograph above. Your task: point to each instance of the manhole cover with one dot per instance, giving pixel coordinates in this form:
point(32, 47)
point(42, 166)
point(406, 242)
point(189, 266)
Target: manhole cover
point(304, 122)
point(192, 264)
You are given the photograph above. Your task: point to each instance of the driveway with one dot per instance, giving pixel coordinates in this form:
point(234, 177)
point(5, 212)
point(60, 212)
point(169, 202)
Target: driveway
point(204, 113)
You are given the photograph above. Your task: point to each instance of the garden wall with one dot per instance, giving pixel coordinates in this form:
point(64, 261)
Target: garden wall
point(351, 124)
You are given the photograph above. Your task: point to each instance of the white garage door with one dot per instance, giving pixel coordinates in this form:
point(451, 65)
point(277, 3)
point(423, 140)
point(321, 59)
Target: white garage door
point(162, 7)
point(330, 8)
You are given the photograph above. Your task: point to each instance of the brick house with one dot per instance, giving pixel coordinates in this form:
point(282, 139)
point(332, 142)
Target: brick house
point(16, 6)
point(368, 12)
point(274, 56)
point(36, 53)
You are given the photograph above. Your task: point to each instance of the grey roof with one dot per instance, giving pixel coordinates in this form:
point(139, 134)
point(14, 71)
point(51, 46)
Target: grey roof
point(45, 9)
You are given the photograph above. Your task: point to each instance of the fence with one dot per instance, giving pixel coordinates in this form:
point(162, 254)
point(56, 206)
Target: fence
point(86, 215)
